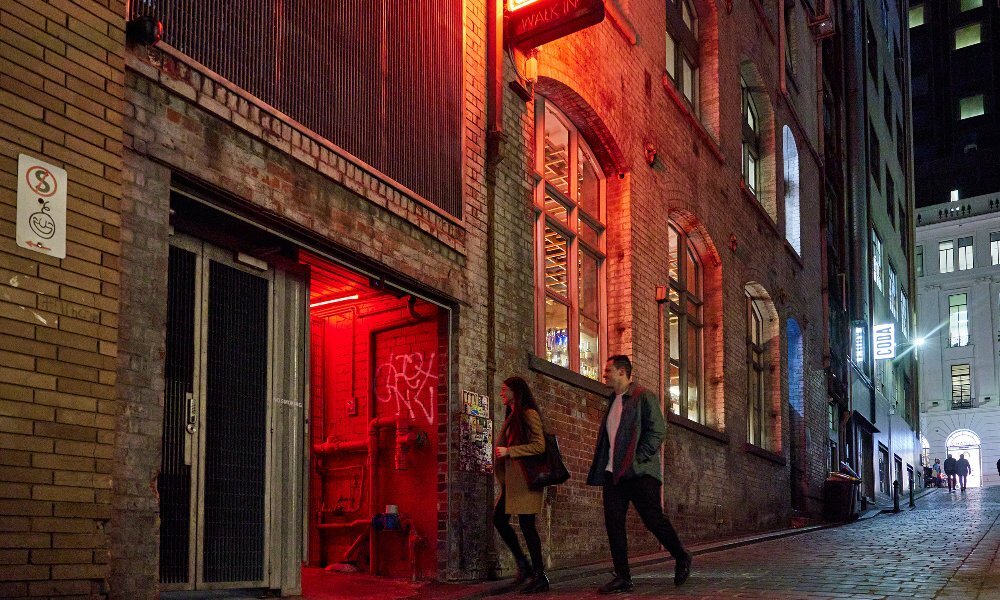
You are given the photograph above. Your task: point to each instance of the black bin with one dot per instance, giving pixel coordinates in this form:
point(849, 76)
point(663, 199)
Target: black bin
point(840, 497)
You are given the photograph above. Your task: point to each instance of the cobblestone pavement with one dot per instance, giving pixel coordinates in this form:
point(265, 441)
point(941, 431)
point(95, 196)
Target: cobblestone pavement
point(946, 549)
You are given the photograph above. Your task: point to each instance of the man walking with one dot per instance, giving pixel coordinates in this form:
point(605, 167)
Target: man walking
point(627, 465)
point(949, 471)
point(963, 469)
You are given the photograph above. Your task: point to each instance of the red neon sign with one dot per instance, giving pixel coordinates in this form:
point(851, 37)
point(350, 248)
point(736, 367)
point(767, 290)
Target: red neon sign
point(531, 23)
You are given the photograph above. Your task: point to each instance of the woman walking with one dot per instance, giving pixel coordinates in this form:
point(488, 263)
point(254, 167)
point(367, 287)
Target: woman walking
point(521, 435)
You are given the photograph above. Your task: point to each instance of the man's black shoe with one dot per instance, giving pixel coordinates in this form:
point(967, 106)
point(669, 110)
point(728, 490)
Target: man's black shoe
point(617, 585)
point(682, 570)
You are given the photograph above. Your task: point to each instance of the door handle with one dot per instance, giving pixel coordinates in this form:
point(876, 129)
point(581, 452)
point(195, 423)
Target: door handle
point(192, 413)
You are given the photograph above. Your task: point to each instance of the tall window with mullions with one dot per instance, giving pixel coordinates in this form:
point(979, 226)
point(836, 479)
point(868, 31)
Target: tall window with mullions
point(685, 327)
point(570, 209)
point(682, 55)
point(751, 139)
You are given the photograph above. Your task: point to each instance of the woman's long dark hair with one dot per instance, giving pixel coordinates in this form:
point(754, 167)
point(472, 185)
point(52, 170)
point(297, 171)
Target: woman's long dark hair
point(517, 429)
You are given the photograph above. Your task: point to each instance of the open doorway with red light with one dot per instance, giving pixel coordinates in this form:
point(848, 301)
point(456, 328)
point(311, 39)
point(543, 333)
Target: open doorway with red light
point(378, 372)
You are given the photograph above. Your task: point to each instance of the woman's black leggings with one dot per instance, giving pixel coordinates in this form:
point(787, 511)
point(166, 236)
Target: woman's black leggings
point(501, 520)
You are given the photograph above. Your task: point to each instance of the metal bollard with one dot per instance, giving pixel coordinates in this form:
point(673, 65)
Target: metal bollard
point(912, 503)
point(895, 496)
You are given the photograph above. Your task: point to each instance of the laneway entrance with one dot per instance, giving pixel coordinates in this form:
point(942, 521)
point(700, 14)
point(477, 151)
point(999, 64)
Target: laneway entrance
point(965, 441)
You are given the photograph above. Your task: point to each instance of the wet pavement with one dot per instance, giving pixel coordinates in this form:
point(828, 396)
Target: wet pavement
point(945, 549)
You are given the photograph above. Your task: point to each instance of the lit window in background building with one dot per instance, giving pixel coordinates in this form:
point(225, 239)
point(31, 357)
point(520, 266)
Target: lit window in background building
point(685, 326)
point(995, 248)
point(893, 289)
point(570, 227)
point(969, 35)
point(966, 257)
point(953, 197)
point(965, 5)
point(877, 260)
point(946, 256)
point(682, 52)
point(958, 320)
point(961, 386)
point(971, 106)
point(919, 261)
point(751, 138)
point(916, 16)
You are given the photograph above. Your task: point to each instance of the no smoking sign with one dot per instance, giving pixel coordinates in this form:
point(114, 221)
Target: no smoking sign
point(41, 206)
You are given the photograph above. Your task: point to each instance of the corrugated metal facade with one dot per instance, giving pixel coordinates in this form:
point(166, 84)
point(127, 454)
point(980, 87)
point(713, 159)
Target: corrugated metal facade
point(380, 79)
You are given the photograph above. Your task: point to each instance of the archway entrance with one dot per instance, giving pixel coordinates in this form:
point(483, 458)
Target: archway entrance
point(965, 441)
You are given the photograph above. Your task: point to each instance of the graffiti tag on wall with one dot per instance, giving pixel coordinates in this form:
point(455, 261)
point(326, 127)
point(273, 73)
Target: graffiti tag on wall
point(410, 381)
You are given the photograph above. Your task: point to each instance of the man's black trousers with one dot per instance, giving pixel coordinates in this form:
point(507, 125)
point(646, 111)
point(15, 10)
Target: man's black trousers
point(644, 493)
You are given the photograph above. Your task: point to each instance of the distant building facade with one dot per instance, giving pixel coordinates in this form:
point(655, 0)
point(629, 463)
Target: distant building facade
point(958, 310)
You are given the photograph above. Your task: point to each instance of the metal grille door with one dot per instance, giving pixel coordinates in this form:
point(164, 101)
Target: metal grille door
point(174, 482)
point(235, 425)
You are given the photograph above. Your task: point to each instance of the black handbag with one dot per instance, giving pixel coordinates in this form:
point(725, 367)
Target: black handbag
point(545, 469)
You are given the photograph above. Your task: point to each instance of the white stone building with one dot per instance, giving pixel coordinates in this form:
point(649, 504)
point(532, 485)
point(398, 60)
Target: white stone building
point(958, 313)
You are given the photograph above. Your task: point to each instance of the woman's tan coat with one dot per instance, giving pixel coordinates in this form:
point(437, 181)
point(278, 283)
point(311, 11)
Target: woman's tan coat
point(520, 500)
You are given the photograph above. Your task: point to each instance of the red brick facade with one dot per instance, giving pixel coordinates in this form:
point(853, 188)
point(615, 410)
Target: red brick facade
point(81, 426)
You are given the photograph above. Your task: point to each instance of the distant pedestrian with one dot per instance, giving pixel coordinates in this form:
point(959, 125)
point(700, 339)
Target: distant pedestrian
point(949, 471)
point(963, 469)
point(627, 466)
point(937, 472)
point(521, 435)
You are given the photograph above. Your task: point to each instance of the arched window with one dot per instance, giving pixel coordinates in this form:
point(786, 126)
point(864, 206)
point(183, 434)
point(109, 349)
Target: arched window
point(763, 379)
point(682, 58)
point(793, 221)
point(751, 139)
point(962, 438)
point(570, 246)
point(685, 327)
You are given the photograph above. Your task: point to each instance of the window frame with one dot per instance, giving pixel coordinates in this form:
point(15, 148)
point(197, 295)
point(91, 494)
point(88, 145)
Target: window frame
point(756, 364)
point(877, 261)
point(683, 38)
point(569, 227)
point(689, 307)
point(995, 248)
point(961, 385)
point(946, 256)
point(750, 139)
point(958, 320)
point(966, 253)
point(918, 260)
point(977, 26)
point(917, 9)
point(893, 290)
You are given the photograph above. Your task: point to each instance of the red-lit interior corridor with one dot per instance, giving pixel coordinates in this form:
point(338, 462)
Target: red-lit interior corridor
point(378, 373)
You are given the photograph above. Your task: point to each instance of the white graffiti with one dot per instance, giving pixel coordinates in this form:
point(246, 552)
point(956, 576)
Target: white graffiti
point(410, 381)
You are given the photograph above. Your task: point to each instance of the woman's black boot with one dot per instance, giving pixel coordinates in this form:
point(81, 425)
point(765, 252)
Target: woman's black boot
point(523, 571)
point(538, 583)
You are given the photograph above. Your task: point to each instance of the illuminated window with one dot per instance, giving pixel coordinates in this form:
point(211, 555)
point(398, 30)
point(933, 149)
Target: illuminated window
point(953, 197)
point(946, 256)
point(569, 230)
point(793, 225)
point(969, 35)
point(916, 16)
point(877, 260)
point(965, 254)
point(995, 248)
point(685, 326)
point(904, 314)
point(751, 139)
point(682, 52)
point(958, 320)
point(756, 405)
point(961, 386)
point(893, 290)
point(919, 261)
point(971, 106)
point(965, 5)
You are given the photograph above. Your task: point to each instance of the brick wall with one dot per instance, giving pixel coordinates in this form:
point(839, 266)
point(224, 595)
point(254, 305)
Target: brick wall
point(61, 76)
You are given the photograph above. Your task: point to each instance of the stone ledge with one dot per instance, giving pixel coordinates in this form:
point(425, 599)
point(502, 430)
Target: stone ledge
point(696, 427)
point(765, 454)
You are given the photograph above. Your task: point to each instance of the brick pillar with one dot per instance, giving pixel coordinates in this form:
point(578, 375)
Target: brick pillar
point(61, 101)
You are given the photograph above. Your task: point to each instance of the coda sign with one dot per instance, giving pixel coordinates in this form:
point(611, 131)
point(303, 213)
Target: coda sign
point(884, 341)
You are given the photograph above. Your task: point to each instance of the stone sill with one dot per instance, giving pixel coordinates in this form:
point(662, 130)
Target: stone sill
point(765, 454)
point(696, 427)
point(549, 369)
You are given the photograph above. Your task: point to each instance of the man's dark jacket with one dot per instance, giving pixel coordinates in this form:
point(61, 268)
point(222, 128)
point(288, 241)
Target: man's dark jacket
point(962, 467)
point(637, 443)
point(949, 466)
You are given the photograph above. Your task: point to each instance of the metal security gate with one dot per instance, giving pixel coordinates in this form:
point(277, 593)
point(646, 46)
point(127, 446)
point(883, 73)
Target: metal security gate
point(218, 469)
